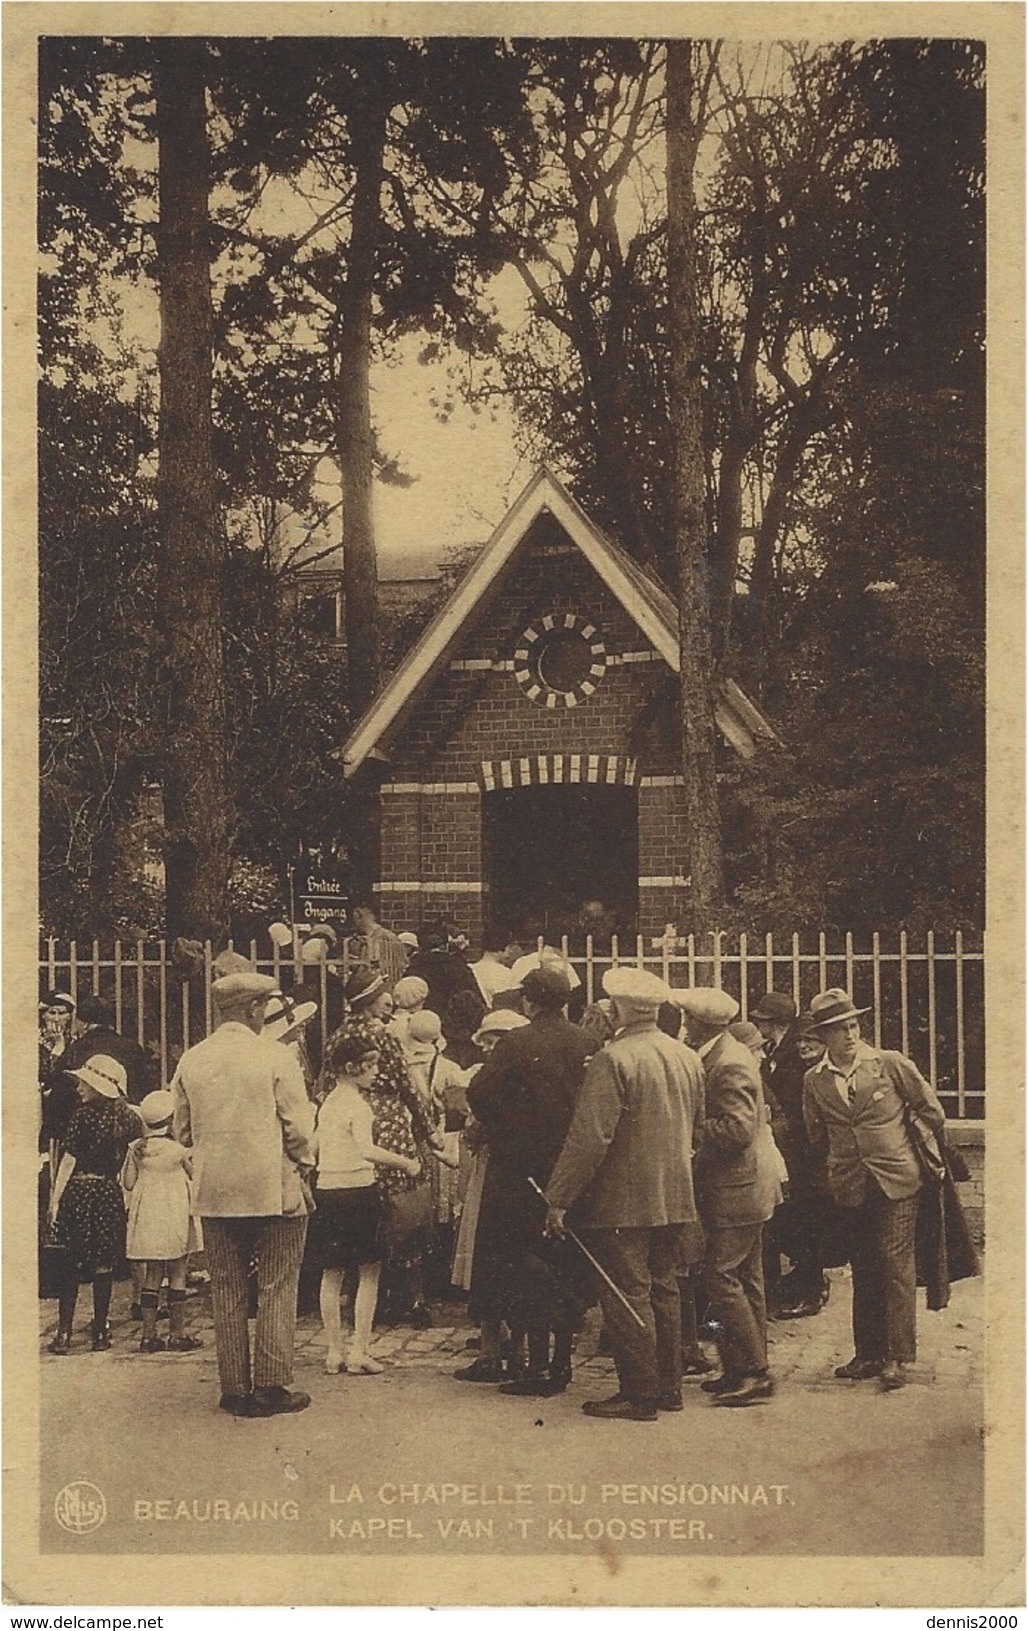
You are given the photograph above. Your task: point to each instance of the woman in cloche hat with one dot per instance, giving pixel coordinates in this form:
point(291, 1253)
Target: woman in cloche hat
point(87, 1210)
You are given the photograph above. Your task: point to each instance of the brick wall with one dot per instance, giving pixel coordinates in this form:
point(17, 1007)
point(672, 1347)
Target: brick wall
point(434, 840)
point(476, 715)
point(969, 1138)
point(482, 714)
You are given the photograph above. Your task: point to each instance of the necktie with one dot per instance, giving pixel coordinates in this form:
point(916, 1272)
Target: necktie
point(851, 1089)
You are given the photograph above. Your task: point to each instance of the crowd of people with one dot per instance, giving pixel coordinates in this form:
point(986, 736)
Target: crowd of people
point(476, 1128)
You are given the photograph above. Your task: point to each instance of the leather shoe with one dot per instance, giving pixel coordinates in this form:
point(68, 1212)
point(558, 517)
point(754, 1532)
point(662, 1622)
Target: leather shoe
point(894, 1374)
point(801, 1310)
point(751, 1390)
point(670, 1401)
point(481, 1370)
point(101, 1340)
point(60, 1344)
point(620, 1409)
point(696, 1364)
point(278, 1401)
point(720, 1384)
point(236, 1404)
point(859, 1370)
point(534, 1387)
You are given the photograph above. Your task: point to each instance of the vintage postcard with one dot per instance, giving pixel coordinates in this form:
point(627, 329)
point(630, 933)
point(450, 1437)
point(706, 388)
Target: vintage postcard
point(493, 304)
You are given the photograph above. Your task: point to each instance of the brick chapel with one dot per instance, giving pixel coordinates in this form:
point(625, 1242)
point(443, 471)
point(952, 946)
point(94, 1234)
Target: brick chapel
point(525, 749)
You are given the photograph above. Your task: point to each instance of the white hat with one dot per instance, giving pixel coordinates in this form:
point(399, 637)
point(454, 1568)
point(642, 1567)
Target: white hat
point(157, 1107)
point(242, 984)
point(408, 938)
point(497, 1022)
point(105, 1075)
point(283, 1015)
point(636, 987)
point(708, 1004)
point(425, 1026)
point(549, 957)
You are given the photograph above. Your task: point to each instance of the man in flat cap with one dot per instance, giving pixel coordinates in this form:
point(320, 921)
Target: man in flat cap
point(241, 1103)
point(738, 1189)
point(798, 1224)
point(858, 1103)
point(626, 1173)
point(523, 1098)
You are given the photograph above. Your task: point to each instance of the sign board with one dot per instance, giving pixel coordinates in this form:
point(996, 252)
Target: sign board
point(321, 890)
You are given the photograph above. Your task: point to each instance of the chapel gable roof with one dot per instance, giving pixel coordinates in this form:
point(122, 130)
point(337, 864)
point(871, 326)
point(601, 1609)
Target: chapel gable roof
point(645, 600)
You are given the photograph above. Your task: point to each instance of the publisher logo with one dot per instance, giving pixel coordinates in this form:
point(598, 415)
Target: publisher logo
point(80, 1507)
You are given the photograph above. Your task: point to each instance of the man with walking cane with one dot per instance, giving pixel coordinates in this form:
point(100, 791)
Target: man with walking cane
point(626, 1170)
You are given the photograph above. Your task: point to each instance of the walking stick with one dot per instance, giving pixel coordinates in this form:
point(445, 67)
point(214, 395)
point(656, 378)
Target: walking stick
point(601, 1271)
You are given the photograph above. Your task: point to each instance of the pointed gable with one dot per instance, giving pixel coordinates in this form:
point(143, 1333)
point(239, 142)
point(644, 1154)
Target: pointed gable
point(647, 605)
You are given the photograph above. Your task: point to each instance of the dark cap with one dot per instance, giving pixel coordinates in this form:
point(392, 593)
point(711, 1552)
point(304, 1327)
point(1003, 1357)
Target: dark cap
point(362, 985)
point(546, 987)
point(775, 1006)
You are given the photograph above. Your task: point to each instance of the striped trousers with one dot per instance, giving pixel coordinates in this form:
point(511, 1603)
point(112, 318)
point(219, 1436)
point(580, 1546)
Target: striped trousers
point(881, 1237)
point(231, 1245)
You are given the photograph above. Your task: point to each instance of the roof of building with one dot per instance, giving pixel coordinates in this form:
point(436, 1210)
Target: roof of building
point(643, 598)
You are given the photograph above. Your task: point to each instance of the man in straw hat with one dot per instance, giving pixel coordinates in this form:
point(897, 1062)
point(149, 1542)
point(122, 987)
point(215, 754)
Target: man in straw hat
point(857, 1102)
point(626, 1169)
point(240, 1103)
point(738, 1188)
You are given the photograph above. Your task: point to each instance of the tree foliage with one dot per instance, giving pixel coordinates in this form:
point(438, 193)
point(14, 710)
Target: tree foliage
point(364, 190)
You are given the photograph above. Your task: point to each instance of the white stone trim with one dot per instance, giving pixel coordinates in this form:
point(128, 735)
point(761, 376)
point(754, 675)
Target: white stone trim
point(616, 658)
point(410, 886)
point(662, 781)
point(469, 665)
point(558, 770)
point(676, 882)
point(429, 787)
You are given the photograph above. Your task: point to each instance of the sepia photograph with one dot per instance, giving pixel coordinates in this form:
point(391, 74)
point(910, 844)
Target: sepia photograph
point(514, 639)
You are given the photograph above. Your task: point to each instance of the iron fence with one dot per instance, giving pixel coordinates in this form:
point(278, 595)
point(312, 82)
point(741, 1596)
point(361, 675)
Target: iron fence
point(926, 995)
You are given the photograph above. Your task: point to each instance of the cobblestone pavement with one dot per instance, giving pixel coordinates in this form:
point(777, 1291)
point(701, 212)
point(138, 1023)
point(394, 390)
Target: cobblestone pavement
point(804, 1350)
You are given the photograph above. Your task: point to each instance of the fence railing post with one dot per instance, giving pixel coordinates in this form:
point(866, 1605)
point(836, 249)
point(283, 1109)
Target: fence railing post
point(948, 1009)
point(933, 1068)
point(958, 970)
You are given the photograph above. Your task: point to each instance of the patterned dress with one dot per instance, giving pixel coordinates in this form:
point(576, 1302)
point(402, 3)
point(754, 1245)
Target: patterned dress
point(91, 1216)
point(400, 1123)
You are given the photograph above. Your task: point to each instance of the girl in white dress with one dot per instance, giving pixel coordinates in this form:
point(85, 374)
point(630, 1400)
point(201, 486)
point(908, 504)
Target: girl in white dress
point(156, 1180)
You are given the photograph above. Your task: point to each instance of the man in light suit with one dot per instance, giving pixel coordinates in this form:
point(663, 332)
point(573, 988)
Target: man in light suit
point(737, 1189)
point(240, 1102)
point(857, 1102)
point(626, 1170)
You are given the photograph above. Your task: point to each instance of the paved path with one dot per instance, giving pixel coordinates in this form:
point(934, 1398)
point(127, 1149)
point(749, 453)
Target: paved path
point(825, 1467)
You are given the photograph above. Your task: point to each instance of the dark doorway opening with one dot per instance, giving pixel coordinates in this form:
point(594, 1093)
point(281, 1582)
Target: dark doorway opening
point(546, 850)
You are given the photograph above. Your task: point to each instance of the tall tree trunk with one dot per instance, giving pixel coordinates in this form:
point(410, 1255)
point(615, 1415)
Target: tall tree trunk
point(356, 441)
point(688, 492)
point(196, 806)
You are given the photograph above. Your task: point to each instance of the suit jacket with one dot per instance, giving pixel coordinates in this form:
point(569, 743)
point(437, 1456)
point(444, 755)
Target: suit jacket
point(736, 1165)
point(867, 1140)
point(241, 1104)
point(782, 1074)
point(627, 1159)
point(524, 1096)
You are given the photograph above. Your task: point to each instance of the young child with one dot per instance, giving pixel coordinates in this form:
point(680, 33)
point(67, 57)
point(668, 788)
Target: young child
point(349, 1214)
point(410, 996)
point(156, 1179)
